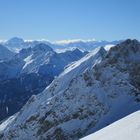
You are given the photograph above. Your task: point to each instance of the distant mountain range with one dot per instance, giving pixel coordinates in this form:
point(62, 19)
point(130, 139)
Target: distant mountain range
point(16, 44)
point(84, 44)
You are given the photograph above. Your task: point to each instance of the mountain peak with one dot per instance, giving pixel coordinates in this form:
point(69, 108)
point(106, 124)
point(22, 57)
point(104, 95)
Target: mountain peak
point(15, 40)
point(42, 47)
point(128, 50)
point(102, 51)
point(130, 42)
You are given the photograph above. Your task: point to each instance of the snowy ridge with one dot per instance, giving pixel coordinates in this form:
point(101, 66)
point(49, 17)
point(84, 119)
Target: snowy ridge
point(127, 128)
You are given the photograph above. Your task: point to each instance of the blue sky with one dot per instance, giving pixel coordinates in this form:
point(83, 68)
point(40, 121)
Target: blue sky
point(70, 19)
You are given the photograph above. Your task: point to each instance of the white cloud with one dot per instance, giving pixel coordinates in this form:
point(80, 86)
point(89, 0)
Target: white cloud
point(73, 41)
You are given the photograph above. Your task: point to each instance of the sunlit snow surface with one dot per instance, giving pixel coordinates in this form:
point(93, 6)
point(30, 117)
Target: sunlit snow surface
point(127, 128)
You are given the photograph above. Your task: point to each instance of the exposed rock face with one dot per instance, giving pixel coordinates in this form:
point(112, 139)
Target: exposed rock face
point(91, 93)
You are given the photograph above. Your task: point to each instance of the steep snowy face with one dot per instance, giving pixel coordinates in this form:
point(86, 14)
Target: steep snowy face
point(124, 129)
point(5, 54)
point(91, 93)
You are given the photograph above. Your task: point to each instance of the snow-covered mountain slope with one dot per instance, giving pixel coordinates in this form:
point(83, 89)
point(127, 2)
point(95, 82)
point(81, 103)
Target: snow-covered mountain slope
point(5, 54)
point(127, 128)
point(91, 93)
point(28, 73)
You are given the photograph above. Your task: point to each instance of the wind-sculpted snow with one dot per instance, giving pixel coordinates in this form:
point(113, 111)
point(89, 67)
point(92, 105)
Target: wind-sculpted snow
point(91, 93)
